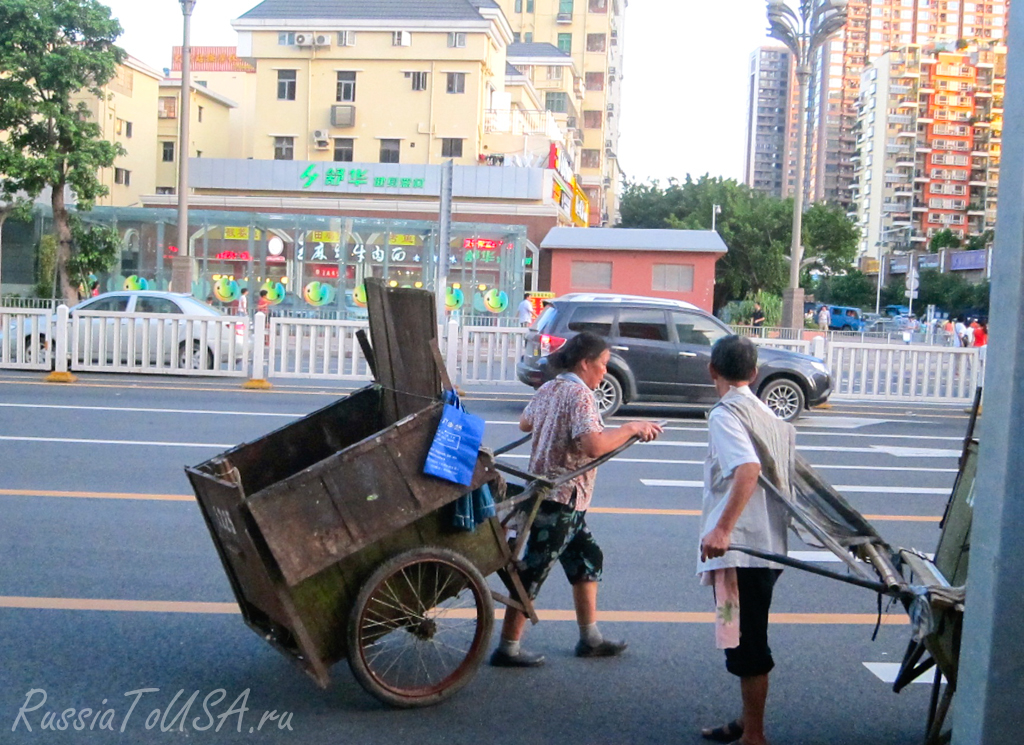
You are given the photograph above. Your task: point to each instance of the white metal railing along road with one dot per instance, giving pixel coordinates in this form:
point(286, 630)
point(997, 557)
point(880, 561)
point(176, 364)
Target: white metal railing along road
point(316, 349)
point(29, 302)
point(25, 339)
point(882, 371)
point(489, 354)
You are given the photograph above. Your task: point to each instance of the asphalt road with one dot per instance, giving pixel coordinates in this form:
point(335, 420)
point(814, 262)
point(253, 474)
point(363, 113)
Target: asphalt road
point(81, 528)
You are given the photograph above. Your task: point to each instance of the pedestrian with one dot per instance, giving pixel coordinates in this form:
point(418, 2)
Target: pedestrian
point(263, 304)
point(736, 508)
point(824, 318)
point(961, 332)
point(757, 319)
point(981, 335)
point(567, 434)
point(243, 302)
point(94, 289)
point(525, 312)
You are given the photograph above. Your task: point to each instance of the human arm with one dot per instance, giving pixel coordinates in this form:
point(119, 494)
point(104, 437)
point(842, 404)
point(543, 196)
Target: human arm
point(596, 444)
point(716, 543)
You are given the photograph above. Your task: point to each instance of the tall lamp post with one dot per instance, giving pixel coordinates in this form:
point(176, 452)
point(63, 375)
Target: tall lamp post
point(803, 34)
point(185, 118)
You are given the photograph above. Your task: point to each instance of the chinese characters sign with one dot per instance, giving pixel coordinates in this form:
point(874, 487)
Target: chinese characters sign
point(357, 178)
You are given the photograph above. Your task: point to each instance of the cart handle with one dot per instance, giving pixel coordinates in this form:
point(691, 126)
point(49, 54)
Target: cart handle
point(564, 478)
point(878, 587)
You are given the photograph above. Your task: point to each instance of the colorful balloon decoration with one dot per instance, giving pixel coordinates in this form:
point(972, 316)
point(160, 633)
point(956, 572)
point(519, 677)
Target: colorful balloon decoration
point(359, 296)
point(454, 298)
point(496, 301)
point(226, 290)
point(318, 294)
point(136, 282)
point(275, 291)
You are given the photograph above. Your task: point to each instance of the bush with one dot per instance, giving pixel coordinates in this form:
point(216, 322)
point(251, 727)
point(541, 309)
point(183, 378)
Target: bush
point(47, 266)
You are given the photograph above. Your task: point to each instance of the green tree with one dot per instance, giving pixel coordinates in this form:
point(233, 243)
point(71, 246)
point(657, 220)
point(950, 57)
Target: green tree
point(51, 51)
point(47, 266)
point(980, 241)
point(853, 288)
point(830, 238)
point(95, 251)
point(943, 239)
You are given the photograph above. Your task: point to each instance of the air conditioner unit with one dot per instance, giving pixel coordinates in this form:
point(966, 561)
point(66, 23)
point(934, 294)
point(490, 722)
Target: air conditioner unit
point(343, 116)
point(564, 18)
point(611, 107)
point(304, 39)
point(322, 145)
point(322, 40)
point(322, 134)
point(611, 71)
point(608, 143)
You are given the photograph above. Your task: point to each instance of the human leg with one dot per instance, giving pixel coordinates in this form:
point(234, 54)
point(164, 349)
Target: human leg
point(583, 562)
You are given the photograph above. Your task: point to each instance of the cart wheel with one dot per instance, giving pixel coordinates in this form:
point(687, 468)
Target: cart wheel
point(420, 627)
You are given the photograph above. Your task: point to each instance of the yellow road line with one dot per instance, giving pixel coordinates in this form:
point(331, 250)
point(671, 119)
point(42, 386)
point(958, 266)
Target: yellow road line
point(593, 510)
point(171, 606)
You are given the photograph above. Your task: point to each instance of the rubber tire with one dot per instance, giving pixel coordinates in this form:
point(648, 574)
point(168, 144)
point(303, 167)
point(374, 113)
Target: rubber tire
point(792, 392)
point(609, 395)
point(187, 362)
point(481, 639)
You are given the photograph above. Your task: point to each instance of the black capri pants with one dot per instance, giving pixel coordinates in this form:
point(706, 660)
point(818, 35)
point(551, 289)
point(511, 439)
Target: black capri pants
point(753, 656)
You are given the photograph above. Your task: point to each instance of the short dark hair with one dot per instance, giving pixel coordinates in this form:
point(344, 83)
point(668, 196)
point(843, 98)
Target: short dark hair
point(263, 293)
point(583, 346)
point(735, 358)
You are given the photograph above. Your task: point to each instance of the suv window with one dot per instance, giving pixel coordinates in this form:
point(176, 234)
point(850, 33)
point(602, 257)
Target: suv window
point(115, 304)
point(694, 329)
point(546, 320)
point(156, 305)
point(595, 320)
point(643, 324)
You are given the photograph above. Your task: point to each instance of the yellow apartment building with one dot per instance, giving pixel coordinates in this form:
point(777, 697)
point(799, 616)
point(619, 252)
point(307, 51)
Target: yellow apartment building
point(211, 133)
point(126, 114)
point(591, 33)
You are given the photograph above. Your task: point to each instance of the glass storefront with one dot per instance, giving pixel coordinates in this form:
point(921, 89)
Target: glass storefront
point(314, 265)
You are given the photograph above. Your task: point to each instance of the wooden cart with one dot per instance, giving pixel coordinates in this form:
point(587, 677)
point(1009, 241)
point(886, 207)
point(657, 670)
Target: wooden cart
point(337, 545)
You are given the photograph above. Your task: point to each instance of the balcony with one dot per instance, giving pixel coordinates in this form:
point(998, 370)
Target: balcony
point(900, 119)
point(523, 122)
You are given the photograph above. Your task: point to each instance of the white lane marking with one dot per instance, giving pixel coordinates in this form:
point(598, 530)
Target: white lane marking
point(667, 461)
point(875, 449)
point(887, 672)
point(152, 411)
point(147, 443)
point(815, 557)
point(840, 488)
point(915, 452)
point(842, 422)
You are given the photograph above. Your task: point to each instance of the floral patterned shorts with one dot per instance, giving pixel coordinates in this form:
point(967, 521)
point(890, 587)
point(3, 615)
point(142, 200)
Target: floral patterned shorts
point(560, 533)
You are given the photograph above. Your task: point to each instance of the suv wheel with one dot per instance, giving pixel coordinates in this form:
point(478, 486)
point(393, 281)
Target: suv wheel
point(608, 395)
point(785, 398)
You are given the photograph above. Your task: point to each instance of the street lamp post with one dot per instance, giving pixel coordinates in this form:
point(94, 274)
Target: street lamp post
point(803, 34)
point(185, 119)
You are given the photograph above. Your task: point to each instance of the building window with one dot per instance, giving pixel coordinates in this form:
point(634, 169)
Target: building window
point(456, 82)
point(565, 43)
point(595, 81)
point(343, 147)
point(346, 38)
point(456, 39)
point(519, 6)
point(346, 87)
point(168, 107)
point(401, 39)
point(199, 115)
point(390, 151)
point(168, 152)
point(451, 147)
point(286, 85)
point(122, 177)
point(591, 159)
point(591, 275)
point(517, 38)
point(598, 6)
point(284, 148)
point(419, 81)
point(165, 190)
point(286, 38)
point(592, 120)
point(672, 278)
point(565, 6)
point(529, 6)
point(554, 72)
point(528, 37)
point(596, 42)
point(556, 102)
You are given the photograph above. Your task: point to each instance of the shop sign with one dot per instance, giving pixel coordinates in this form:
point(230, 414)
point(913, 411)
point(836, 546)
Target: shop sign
point(968, 260)
point(560, 162)
point(323, 236)
point(357, 177)
point(402, 240)
point(239, 234)
point(928, 261)
point(563, 197)
point(581, 206)
point(870, 266)
point(245, 256)
point(482, 244)
point(481, 257)
point(899, 265)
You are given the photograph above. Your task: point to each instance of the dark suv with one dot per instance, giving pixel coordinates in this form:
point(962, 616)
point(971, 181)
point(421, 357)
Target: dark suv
point(660, 353)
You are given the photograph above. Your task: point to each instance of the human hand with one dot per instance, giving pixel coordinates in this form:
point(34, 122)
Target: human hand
point(715, 544)
point(645, 431)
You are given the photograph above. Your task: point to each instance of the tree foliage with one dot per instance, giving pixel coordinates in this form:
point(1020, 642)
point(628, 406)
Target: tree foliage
point(757, 229)
point(944, 239)
point(51, 51)
point(854, 288)
point(94, 251)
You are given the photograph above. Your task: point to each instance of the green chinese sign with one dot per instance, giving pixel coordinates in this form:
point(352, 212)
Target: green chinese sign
point(357, 177)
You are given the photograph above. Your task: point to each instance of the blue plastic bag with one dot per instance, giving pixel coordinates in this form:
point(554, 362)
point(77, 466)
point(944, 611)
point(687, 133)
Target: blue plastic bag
point(456, 444)
point(474, 508)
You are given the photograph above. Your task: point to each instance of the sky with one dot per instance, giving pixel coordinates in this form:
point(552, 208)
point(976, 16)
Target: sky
point(684, 86)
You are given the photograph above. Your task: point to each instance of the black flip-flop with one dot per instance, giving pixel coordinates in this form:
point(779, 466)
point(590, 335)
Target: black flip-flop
point(728, 733)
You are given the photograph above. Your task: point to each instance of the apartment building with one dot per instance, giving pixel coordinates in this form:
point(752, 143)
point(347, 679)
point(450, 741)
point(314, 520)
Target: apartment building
point(211, 134)
point(769, 134)
point(874, 28)
point(591, 33)
point(928, 149)
point(126, 114)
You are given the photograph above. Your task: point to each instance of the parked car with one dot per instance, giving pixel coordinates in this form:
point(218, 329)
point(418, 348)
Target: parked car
point(845, 318)
point(660, 353)
point(893, 311)
point(187, 341)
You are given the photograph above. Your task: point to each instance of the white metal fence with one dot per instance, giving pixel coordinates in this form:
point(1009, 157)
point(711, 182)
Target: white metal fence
point(329, 350)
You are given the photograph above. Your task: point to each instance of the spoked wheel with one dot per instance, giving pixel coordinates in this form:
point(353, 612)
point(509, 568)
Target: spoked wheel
point(608, 395)
point(420, 628)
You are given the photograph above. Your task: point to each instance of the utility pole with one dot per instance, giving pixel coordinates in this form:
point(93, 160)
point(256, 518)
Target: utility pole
point(185, 119)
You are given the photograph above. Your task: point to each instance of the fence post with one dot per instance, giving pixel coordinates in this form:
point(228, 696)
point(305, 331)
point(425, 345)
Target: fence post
point(256, 380)
point(818, 347)
point(59, 347)
point(452, 361)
